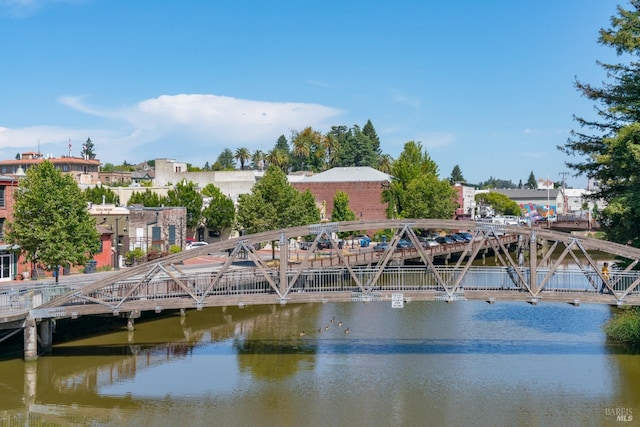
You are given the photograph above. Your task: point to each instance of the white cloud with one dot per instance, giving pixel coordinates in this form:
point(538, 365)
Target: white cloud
point(193, 128)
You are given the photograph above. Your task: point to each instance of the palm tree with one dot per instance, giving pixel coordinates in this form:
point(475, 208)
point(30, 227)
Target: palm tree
point(242, 154)
point(279, 158)
point(257, 159)
point(386, 163)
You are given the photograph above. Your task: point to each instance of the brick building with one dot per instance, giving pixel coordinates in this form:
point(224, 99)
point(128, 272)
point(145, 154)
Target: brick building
point(9, 266)
point(363, 185)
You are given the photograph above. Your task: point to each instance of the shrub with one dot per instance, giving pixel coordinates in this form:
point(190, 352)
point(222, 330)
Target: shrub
point(624, 327)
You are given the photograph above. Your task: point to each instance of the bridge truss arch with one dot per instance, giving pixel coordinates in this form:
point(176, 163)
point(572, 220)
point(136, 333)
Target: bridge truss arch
point(244, 276)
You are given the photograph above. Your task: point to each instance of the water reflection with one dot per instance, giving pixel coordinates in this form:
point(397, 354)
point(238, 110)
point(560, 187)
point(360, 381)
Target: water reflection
point(429, 363)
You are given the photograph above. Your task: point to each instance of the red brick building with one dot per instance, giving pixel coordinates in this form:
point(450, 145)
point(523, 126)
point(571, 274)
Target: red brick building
point(9, 266)
point(84, 171)
point(363, 185)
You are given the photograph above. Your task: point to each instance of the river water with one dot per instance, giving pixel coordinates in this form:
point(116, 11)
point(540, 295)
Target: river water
point(430, 363)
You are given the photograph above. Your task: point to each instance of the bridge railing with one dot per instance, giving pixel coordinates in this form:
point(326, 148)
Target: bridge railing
point(21, 298)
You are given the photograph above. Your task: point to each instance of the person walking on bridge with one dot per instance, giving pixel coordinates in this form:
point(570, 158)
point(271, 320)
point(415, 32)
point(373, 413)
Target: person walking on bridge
point(605, 276)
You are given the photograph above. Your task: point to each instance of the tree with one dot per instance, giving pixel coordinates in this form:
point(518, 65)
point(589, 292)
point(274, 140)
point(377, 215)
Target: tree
point(416, 191)
point(370, 132)
point(456, 175)
point(274, 204)
point(51, 223)
point(257, 160)
point(532, 184)
point(100, 194)
point(501, 204)
point(386, 163)
point(357, 150)
point(221, 212)
point(108, 167)
point(184, 194)
point(147, 198)
point(278, 158)
point(87, 150)
point(496, 183)
point(608, 147)
point(226, 160)
point(242, 154)
point(341, 210)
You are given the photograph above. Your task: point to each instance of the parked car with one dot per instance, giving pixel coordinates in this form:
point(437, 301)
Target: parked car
point(456, 238)
point(467, 236)
point(383, 246)
point(196, 245)
point(363, 240)
point(428, 243)
point(324, 244)
point(444, 240)
point(404, 244)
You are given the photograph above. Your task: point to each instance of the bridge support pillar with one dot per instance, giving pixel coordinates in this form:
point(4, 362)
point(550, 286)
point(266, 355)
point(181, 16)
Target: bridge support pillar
point(45, 332)
point(30, 340)
point(183, 312)
point(131, 320)
point(533, 263)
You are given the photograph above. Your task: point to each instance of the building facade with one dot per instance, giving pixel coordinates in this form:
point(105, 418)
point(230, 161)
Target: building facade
point(84, 171)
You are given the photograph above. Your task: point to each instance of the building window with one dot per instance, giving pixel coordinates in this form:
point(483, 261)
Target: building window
point(65, 168)
point(4, 169)
point(1, 228)
point(2, 191)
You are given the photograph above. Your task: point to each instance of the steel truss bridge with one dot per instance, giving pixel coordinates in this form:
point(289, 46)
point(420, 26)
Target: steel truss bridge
point(245, 276)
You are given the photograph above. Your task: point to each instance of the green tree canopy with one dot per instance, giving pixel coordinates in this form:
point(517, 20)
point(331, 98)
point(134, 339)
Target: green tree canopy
point(531, 182)
point(274, 204)
point(242, 155)
point(226, 160)
point(501, 204)
point(341, 210)
point(147, 198)
point(414, 171)
point(456, 175)
point(88, 150)
point(221, 212)
point(100, 194)
point(51, 223)
point(186, 195)
point(608, 147)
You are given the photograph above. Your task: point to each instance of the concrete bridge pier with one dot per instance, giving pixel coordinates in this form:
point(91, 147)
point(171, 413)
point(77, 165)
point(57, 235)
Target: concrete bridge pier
point(30, 340)
point(131, 320)
point(45, 334)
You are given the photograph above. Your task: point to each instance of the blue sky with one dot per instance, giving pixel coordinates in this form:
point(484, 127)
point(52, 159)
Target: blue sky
point(488, 86)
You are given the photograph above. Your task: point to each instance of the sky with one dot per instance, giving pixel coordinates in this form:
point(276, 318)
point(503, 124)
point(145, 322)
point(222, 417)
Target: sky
point(485, 85)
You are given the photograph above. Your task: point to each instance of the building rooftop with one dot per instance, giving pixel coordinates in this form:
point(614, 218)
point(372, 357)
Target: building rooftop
point(348, 174)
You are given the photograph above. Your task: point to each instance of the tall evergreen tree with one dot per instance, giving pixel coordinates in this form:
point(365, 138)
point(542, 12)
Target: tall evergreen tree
point(532, 184)
point(608, 147)
point(370, 131)
point(456, 175)
point(88, 150)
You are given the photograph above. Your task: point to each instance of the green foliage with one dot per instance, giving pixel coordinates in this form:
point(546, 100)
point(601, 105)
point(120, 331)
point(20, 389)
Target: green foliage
point(185, 194)
point(531, 182)
point(242, 155)
point(147, 198)
point(501, 204)
point(221, 212)
point(136, 254)
point(416, 191)
point(225, 161)
point(456, 175)
point(174, 249)
point(88, 150)
point(357, 149)
point(95, 195)
point(341, 210)
point(624, 327)
point(51, 223)
point(108, 167)
point(496, 183)
point(608, 149)
point(274, 204)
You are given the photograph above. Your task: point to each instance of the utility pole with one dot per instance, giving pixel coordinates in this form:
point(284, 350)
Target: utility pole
point(564, 175)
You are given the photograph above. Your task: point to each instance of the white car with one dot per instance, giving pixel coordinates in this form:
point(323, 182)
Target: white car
point(196, 245)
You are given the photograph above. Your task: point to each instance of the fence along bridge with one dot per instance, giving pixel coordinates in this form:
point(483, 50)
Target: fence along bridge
point(341, 276)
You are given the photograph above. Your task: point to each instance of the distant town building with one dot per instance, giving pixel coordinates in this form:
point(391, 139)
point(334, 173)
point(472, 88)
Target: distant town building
point(84, 171)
